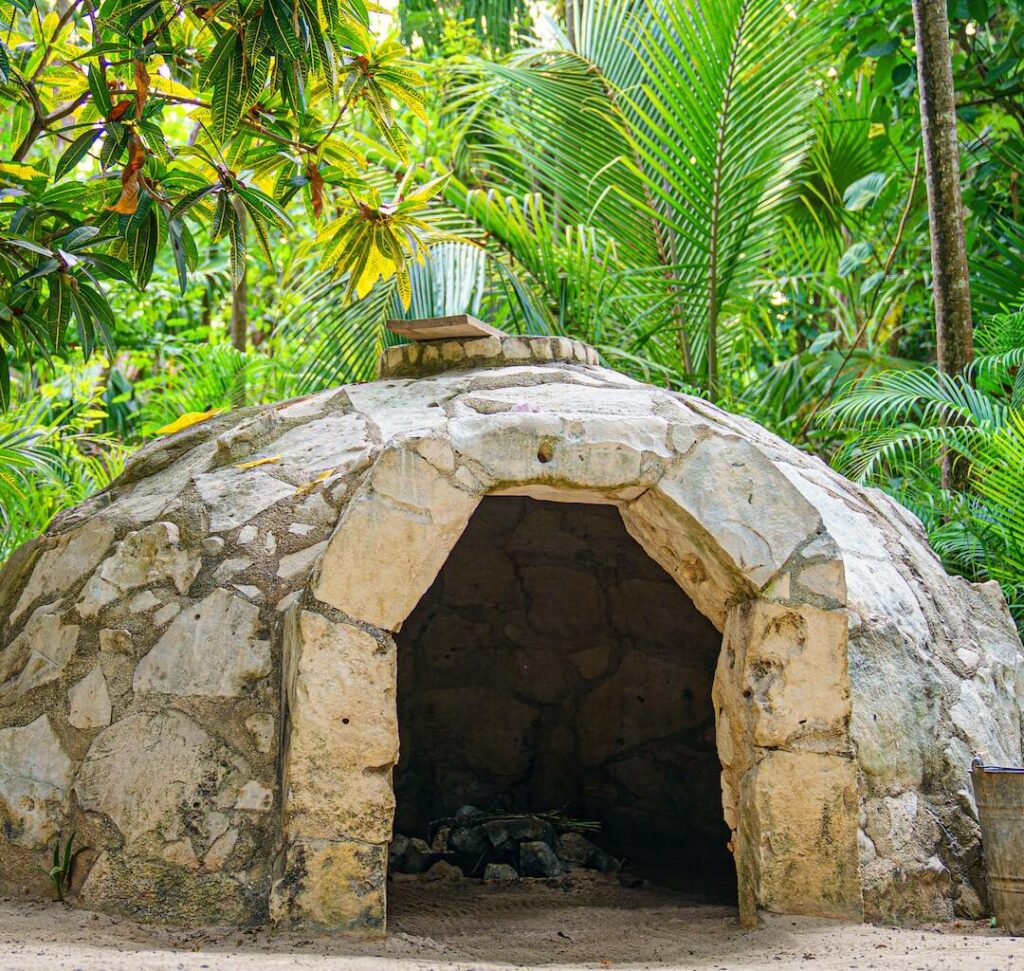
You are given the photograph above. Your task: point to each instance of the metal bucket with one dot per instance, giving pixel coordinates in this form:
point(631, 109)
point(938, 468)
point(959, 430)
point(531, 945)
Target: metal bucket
point(999, 793)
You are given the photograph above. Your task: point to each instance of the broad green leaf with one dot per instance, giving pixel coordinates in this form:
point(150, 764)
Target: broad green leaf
point(111, 267)
point(58, 308)
point(263, 205)
point(236, 229)
point(222, 217)
point(862, 193)
point(75, 152)
point(174, 228)
point(855, 258)
point(190, 199)
point(103, 316)
point(228, 96)
point(218, 60)
point(142, 247)
point(277, 16)
point(78, 237)
point(100, 91)
point(260, 230)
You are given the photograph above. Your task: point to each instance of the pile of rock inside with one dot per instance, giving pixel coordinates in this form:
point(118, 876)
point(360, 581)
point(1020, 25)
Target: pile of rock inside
point(498, 847)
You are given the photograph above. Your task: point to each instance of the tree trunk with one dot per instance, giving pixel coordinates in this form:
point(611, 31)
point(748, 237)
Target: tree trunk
point(950, 280)
point(240, 312)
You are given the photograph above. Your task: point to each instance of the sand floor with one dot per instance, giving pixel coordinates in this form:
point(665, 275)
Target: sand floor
point(466, 925)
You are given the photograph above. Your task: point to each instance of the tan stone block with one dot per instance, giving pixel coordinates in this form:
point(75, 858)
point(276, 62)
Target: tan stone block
point(332, 884)
point(89, 702)
point(35, 776)
point(210, 649)
point(262, 728)
point(147, 556)
point(295, 566)
point(37, 656)
point(795, 675)
point(342, 730)
point(76, 554)
point(673, 539)
point(147, 773)
point(411, 512)
point(798, 835)
point(757, 518)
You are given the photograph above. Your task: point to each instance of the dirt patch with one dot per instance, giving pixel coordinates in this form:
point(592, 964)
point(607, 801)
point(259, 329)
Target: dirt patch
point(463, 924)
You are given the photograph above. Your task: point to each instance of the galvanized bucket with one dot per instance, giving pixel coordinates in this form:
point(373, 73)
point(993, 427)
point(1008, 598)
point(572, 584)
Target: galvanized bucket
point(999, 793)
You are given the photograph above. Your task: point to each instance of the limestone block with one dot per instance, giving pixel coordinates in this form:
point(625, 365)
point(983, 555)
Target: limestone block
point(294, 566)
point(151, 555)
point(116, 641)
point(210, 649)
point(141, 602)
point(400, 408)
point(795, 676)
point(75, 555)
point(691, 557)
point(337, 443)
point(586, 452)
point(230, 567)
point(563, 398)
point(741, 501)
point(155, 889)
point(151, 773)
point(308, 406)
point(254, 797)
point(166, 614)
point(342, 730)
point(798, 834)
point(89, 702)
point(35, 776)
point(262, 728)
point(892, 724)
point(409, 509)
point(37, 656)
point(235, 496)
point(332, 884)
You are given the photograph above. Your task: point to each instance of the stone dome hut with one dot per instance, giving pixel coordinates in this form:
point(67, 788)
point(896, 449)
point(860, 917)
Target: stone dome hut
point(546, 577)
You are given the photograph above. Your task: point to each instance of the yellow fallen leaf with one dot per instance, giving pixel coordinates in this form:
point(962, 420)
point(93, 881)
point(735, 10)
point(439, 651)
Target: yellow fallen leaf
point(255, 462)
point(187, 420)
point(310, 486)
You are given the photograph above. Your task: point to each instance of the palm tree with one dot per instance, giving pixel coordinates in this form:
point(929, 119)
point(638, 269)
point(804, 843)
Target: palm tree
point(901, 424)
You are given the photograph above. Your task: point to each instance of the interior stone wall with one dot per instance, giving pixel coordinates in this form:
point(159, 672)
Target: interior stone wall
point(553, 665)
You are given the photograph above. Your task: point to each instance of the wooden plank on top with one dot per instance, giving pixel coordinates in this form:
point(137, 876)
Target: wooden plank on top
point(442, 328)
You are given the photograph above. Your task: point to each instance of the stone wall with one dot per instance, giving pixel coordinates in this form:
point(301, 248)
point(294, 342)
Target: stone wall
point(140, 684)
point(554, 665)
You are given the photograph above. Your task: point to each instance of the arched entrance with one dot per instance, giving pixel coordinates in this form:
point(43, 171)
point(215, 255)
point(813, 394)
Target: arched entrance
point(552, 666)
point(721, 520)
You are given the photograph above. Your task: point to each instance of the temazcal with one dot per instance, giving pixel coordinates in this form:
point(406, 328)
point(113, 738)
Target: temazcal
point(198, 672)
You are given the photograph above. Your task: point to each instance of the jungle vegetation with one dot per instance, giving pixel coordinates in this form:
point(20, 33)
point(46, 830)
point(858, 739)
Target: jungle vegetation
point(209, 204)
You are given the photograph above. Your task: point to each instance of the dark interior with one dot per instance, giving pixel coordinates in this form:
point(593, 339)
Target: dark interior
point(553, 665)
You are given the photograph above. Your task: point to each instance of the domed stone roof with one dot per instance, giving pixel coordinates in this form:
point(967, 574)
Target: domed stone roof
point(178, 650)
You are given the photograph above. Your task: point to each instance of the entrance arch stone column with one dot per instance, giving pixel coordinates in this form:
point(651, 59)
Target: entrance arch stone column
point(732, 531)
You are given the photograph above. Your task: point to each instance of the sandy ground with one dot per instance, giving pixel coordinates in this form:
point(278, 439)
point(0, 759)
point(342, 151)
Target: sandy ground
point(465, 925)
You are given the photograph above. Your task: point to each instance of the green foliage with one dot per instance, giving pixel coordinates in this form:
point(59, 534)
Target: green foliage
point(496, 22)
point(141, 129)
point(61, 865)
point(901, 423)
point(53, 453)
